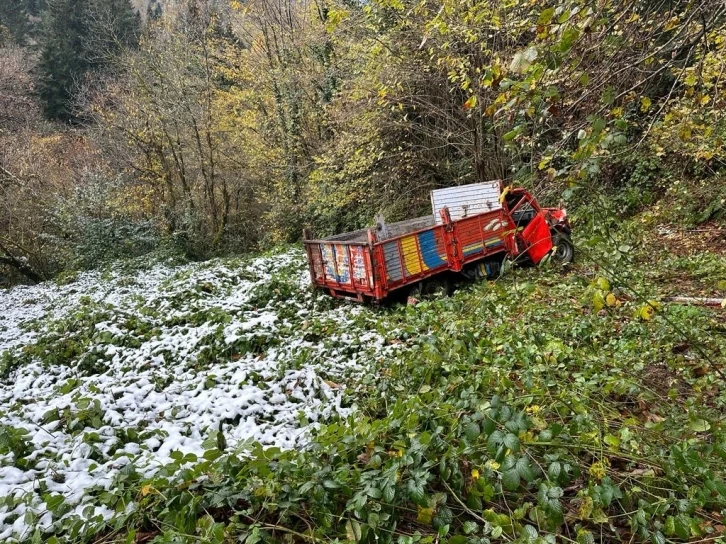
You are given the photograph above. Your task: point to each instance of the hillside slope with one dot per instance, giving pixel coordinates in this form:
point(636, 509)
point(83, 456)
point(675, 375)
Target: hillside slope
point(547, 405)
point(120, 369)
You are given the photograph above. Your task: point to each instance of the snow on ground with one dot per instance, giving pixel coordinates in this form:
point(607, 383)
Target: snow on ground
point(117, 368)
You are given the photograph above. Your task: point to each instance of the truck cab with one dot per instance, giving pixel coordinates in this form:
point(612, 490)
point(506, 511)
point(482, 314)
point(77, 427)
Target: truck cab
point(539, 230)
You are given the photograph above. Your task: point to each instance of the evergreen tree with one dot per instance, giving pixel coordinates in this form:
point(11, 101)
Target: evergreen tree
point(14, 18)
point(63, 60)
point(80, 36)
point(153, 11)
point(36, 7)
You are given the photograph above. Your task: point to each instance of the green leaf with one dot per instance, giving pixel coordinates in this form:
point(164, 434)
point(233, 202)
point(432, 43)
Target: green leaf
point(53, 502)
point(389, 493)
point(495, 439)
point(353, 530)
point(569, 37)
point(374, 492)
point(608, 96)
point(524, 469)
point(510, 479)
point(546, 16)
point(512, 442)
point(670, 525)
point(602, 283)
point(699, 425)
point(211, 455)
point(681, 527)
point(611, 440)
point(416, 493)
point(472, 431)
point(511, 135)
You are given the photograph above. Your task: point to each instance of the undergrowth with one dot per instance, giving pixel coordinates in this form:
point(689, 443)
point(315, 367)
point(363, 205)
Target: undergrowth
point(546, 406)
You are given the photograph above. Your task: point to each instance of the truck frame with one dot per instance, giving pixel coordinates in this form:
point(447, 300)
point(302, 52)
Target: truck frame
point(371, 264)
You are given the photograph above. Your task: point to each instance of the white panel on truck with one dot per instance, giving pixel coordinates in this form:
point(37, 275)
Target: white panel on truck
point(466, 200)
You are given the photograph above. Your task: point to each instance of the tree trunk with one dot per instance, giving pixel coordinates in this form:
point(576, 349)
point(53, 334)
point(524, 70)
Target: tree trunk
point(25, 269)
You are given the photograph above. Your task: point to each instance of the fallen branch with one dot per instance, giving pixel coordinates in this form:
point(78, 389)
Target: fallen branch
point(698, 301)
point(8, 259)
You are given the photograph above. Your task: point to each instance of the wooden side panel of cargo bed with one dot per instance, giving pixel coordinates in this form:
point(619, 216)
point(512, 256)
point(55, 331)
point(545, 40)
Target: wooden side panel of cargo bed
point(412, 257)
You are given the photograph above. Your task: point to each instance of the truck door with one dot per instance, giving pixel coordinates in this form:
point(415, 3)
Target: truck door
point(535, 233)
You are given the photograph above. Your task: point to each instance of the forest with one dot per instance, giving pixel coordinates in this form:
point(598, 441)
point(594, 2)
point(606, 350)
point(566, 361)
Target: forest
point(215, 127)
point(167, 373)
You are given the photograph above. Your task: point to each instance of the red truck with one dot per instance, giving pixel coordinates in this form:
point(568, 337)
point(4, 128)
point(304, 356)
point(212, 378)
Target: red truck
point(472, 230)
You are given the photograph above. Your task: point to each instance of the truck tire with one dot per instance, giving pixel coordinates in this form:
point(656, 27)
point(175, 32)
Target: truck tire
point(564, 252)
point(430, 288)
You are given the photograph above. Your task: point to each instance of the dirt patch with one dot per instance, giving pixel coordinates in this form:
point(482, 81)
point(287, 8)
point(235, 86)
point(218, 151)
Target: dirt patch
point(683, 241)
point(660, 379)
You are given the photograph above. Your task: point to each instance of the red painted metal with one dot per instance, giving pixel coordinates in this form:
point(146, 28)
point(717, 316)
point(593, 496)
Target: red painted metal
point(538, 238)
point(449, 246)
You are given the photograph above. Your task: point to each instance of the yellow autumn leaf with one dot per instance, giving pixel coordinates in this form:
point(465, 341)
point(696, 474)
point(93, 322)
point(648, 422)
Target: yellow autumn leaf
point(586, 507)
point(471, 103)
point(505, 192)
point(705, 100)
point(672, 23)
point(425, 515)
point(634, 17)
point(598, 470)
point(602, 283)
point(491, 464)
point(475, 474)
point(611, 300)
point(645, 103)
point(646, 312)
point(146, 489)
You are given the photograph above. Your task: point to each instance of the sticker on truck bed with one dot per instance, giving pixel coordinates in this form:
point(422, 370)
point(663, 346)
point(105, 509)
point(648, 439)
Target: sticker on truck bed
point(359, 263)
point(336, 263)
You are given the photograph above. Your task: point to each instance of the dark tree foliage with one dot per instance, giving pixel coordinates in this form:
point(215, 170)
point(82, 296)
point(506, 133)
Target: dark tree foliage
point(14, 19)
point(81, 36)
point(153, 11)
point(63, 61)
point(36, 7)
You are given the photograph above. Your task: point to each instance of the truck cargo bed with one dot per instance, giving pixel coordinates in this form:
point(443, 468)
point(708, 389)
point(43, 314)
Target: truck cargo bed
point(371, 263)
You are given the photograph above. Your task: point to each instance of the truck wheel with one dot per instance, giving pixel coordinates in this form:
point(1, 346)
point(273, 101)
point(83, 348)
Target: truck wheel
point(481, 271)
point(564, 249)
point(490, 269)
point(435, 288)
